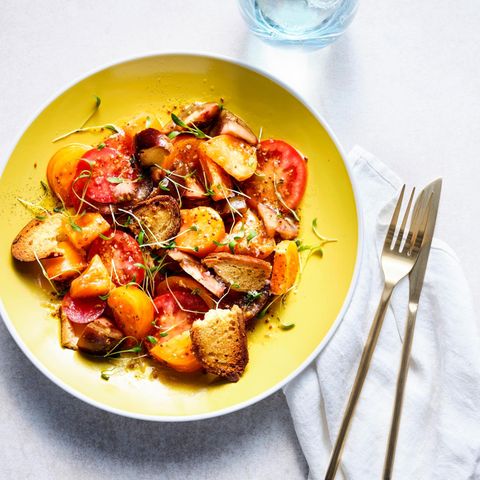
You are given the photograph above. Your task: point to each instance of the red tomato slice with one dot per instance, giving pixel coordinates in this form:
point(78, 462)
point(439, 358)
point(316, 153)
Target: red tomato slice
point(122, 143)
point(280, 167)
point(171, 319)
point(119, 255)
point(103, 176)
point(82, 310)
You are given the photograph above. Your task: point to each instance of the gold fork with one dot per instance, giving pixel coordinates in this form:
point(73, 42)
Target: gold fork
point(398, 258)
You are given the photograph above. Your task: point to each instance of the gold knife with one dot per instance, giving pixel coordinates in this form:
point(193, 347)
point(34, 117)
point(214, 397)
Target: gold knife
point(430, 192)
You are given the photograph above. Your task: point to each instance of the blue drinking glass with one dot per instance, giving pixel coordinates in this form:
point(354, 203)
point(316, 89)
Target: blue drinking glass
point(307, 23)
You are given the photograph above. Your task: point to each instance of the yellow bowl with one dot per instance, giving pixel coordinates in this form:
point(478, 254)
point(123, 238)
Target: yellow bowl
point(156, 83)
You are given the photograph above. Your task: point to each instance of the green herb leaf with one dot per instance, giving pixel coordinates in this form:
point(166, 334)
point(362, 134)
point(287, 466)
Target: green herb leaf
point(140, 265)
point(58, 209)
point(252, 296)
point(219, 244)
point(115, 179)
point(163, 185)
point(170, 245)
point(194, 228)
point(141, 237)
point(251, 235)
point(44, 186)
point(104, 237)
point(74, 226)
point(178, 122)
point(199, 134)
point(112, 127)
point(128, 222)
point(164, 334)
point(41, 217)
point(174, 134)
point(231, 246)
point(101, 146)
point(105, 376)
point(152, 339)
point(104, 297)
point(286, 326)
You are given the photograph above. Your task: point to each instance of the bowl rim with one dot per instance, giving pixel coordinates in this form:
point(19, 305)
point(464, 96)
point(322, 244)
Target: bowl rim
point(359, 254)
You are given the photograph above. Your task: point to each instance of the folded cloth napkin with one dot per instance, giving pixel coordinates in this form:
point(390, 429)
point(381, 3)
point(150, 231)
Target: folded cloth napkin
point(440, 427)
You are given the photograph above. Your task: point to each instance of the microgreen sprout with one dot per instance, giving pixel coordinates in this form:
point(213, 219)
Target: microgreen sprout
point(95, 128)
point(152, 339)
point(194, 130)
point(282, 201)
point(98, 101)
point(33, 206)
point(44, 186)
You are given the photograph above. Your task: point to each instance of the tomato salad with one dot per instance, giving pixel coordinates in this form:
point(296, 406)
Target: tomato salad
point(159, 224)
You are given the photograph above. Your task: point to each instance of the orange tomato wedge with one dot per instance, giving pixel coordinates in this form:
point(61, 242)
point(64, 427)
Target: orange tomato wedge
point(285, 269)
point(200, 230)
point(219, 182)
point(248, 237)
point(68, 266)
point(177, 353)
point(84, 229)
point(93, 281)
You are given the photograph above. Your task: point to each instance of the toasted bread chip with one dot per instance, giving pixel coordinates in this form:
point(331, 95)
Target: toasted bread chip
point(68, 336)
point(242, 272)
point(220, 343)
point(159, 217)
point(38, 239)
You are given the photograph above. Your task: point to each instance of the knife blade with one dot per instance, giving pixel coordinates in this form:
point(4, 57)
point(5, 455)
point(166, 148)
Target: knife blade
point(417, 275)
point(431, 193)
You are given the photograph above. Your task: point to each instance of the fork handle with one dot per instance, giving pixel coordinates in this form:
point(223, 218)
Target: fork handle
point(362, 371)
point(400, 389)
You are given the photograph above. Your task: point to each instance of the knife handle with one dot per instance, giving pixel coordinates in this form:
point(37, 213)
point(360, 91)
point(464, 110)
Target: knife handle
point(400, 389)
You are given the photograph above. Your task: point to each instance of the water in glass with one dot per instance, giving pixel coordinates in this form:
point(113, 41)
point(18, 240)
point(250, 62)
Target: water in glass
point(313, 23)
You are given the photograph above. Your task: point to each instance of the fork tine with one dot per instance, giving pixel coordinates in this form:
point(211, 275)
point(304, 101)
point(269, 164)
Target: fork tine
point(393, 222)
point(417, 209)
point(404, 222)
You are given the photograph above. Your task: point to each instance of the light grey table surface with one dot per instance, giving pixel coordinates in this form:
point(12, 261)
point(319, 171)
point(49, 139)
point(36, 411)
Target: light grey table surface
point(404, 82)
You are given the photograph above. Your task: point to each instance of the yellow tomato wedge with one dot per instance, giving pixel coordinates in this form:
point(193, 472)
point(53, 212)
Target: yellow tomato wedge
point(235, 156)
point(93, 281)
point(132, 309)
point(62, 167)
point(285, 269)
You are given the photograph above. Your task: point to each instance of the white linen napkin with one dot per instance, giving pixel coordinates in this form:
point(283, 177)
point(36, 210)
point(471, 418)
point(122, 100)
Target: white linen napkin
point(440, 427)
